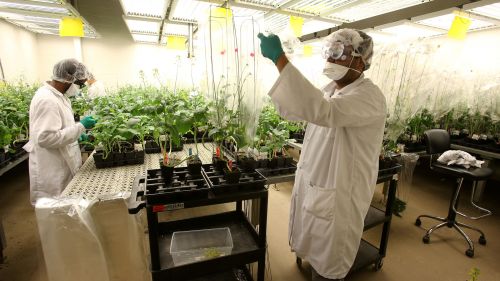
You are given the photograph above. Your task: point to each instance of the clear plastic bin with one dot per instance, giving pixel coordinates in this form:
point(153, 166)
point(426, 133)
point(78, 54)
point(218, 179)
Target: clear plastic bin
point(198, 245)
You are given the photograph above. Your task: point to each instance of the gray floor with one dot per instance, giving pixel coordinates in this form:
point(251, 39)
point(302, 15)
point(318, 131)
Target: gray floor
point(408, 258)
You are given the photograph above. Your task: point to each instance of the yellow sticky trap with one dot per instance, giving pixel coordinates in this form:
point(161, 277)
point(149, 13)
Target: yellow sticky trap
point(69, 26)
point(222, 13)
point(176, 42)
point(459, 27)
point(296, 24)
point(308, 50)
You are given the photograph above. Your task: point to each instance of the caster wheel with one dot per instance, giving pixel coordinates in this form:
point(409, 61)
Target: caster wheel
point(426, 239)
point(482, 240)
point(418, 222)
point(469, 253)
point(298, 261)
point(378, 265)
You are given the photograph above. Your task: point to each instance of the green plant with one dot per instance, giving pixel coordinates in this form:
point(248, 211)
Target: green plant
point(474, 274)
point(418, 124)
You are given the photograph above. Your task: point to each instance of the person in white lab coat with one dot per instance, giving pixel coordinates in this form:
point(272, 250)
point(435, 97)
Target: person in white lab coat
point(337, 171)
point(54, 153)
point(96, 88)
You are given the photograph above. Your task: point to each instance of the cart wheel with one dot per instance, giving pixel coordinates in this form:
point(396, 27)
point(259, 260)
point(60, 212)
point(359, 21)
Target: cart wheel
point(469, 253)
point(298, 261)
point(378, 265)
point(482, 240)
point(418, 222)
point(426, 239)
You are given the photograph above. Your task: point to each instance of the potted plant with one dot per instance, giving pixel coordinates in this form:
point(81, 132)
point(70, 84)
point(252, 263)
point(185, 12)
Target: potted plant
point(231, 174)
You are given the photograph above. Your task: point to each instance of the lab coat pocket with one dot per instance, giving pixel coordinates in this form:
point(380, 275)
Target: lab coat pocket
point(320, 201)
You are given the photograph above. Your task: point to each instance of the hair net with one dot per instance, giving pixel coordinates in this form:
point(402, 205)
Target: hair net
point(360, 41)
point(69, 71)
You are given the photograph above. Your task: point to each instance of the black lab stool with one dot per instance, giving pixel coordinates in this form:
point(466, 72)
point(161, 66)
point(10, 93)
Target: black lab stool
point(438, 141)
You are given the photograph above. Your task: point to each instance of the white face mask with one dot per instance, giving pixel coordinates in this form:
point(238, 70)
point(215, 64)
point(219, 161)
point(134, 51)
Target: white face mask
point(72, 91)
point(335, 71)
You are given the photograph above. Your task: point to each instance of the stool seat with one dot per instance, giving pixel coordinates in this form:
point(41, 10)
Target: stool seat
point(472, 173)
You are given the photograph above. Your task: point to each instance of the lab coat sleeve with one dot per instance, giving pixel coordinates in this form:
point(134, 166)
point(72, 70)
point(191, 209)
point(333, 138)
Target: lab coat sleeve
point(297, 99)
point(48, 123)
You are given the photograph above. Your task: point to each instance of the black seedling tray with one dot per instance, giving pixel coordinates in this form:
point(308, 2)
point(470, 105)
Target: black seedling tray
point(183, 186)
point(118, 159)
point(248, 181)
point(266, 172)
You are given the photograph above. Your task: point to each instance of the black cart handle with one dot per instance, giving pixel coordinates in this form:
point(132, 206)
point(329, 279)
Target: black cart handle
point(135, 201)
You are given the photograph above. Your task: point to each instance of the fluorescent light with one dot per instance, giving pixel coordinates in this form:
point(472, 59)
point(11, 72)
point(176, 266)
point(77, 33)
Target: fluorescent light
point(145, 38)
point(315, 25)
point(190, 10)
point(276, 22)
point(35, 8)
point(492, 11)
point(145, 8)
point(176, 29)
point(143, 26)
point(444, 22)
point(409, 30)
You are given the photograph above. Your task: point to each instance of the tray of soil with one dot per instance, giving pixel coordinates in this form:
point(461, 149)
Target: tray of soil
point(219, 163)
point(194, 165)
point(279, 165)
point(247, 164)
point(182, 186)
point(234, 180)
point(128, 156)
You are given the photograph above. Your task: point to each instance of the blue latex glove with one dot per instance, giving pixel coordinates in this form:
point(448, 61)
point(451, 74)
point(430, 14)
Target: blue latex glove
point(88, 122)
point(270, 46)
point(83, 137)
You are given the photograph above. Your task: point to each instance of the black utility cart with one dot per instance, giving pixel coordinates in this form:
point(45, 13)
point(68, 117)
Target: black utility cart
point(369, 254)
point(249, 243)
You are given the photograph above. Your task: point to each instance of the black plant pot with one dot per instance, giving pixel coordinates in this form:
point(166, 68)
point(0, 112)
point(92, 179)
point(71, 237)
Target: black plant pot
point(232, 177)
point(219, 164)
point(98, 157)
point(273, 163)
point(167, 172)
point(194, 165)
point(248, 164)
point(263, 163)
point(288, 161)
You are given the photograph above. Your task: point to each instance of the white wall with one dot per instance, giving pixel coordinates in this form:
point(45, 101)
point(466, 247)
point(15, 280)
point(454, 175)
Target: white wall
point(18, 52)
point(52, 49)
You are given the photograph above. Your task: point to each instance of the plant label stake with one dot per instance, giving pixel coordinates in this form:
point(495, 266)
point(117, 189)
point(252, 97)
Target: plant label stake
point(217, 152)
point(230, 165)
point(190, 151)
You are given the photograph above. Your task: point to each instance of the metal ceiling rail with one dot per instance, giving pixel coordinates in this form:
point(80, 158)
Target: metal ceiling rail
point(398, 15)
point(32, 3)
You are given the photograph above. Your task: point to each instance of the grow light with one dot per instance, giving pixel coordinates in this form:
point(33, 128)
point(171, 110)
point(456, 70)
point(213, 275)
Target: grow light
point(409, 30)
point(176, 29)
point(492, 10)
point(358, 10)
point(269, 3)
point(189, 10)
point(33, 7)
point(143, 38)
point(314, 26)
point(244, 12)
point(145, 8)
point(143, 26)
point(317, 7)
point(444, 22)
point(276, 22)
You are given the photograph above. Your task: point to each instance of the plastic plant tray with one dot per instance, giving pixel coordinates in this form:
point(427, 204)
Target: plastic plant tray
point(266, 172)
point(119, 159)
point(199, 245)
point(248, 181)
point(183, 186)
point(389, 171)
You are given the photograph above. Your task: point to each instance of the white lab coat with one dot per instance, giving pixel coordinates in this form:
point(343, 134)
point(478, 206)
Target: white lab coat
point(54, 153)
point(96, 90)
point(337, 171)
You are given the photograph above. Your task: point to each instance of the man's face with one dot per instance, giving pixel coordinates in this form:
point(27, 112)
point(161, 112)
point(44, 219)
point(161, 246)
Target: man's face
point(348, 60)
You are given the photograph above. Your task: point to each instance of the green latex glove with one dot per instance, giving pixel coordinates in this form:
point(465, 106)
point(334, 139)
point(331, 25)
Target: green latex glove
point(88, 122)
point(83, 137)
point(270, 46)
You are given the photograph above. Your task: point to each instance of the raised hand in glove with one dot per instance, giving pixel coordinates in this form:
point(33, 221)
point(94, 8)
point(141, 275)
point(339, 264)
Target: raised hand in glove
point(88, 122)
point(270, 46)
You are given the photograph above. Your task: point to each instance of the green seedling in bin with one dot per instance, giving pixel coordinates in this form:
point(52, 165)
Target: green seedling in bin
point(212, 253)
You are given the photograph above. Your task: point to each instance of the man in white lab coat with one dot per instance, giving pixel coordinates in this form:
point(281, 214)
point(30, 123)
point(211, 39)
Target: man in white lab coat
point(54, 153)
point(96, 87)
point(337, 171)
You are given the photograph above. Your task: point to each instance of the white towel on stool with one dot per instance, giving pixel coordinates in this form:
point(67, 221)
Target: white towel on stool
point(459, 157)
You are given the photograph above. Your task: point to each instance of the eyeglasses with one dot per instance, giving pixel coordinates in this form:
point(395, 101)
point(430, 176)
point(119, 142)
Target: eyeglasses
point(336, 51)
